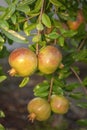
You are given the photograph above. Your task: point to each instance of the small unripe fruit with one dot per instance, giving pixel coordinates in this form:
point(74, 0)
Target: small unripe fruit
point(39, 109)
point(49, 59)
point(23, 62)
point(74, 25)
point(59, 104)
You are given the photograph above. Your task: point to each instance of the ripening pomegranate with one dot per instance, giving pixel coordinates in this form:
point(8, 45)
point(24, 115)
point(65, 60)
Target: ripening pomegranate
point(59, 104)
point(23, 62)
point(74, 25)
point(49, 59)
point(39, 109)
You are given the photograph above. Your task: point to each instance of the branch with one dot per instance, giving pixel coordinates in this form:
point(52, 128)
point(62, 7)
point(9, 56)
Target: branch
point(41, 11)
point(81, 45)
point(50, 91)
point(40, 19)
point(79, 79)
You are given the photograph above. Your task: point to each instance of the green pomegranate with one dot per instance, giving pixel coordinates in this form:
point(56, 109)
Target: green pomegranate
point(49, 59)
point(39, 109)
point(23, 62)
point(59, 104)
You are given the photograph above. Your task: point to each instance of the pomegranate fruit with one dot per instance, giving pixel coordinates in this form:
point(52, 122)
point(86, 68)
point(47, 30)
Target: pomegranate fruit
point(39, 109)
point(49, 58)
point(74, 25)
point(59, 104)
point(23, 62)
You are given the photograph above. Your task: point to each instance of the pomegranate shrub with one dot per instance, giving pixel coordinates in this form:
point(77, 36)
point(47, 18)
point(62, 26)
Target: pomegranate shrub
point(58, 33)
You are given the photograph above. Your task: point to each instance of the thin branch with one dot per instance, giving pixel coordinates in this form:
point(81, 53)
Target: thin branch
point(41, 11)
point(79, 79)
point(81, 45)
point(40, 19)
point(51, 87)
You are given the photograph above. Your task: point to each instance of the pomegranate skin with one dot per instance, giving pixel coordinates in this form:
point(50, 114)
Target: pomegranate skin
point(23, 62)
point(39, 109)
point(49, 58)
point(59, 104)
point(74, 25)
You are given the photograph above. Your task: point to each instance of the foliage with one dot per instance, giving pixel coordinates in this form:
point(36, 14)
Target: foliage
point(2, 115)
point(46, 23)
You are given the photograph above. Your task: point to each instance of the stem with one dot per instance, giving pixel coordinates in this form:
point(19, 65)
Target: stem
point(41, 11)
point(55, 41)
point(50, 91)
point(79, 79)
point(40, 19)
point(81, 45)
point(37, 49)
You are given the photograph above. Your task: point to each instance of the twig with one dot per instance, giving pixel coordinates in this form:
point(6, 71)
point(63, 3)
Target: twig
point(41, 11)
point(50, 91)
point(38, 33)
point(79, 79)
point(81, 45)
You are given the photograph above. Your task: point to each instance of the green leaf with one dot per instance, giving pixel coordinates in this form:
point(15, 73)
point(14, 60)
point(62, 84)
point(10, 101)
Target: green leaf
point(1, 39)
point(36, 9)
point(1, 46)
point(8, 12)
point(15, 2)
point(1, 127)
point(11, 34)
point(53, 35)
point(13, 18)
point(42, 89)
point(32, 47)
point(39, 27)
point(24, 8)
point(82, 105)
point(61, 41)
point(56, 3)
point(24, 82)
point(59, 83)
point(29, 27)
point(72, 86)
point(26, 2)
point(58, 86)
point(77, 95)
point(57, 90)
point(2, 114)
point(82, 122)
point(36, 38)
point(2, 8)
point(81, 56)
point(46, 20)
point(69, 33)
point(4, 24)
point(44, 94)
point(2, 78)
point(64, 73)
